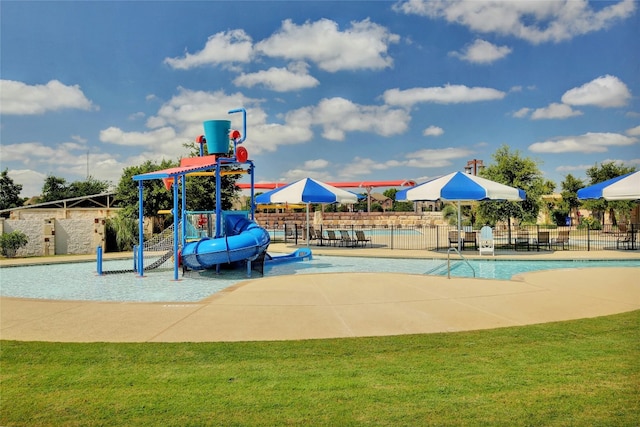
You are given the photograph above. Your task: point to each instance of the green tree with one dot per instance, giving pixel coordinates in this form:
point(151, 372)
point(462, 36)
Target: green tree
point(390, 193)
point(570, 187)
point(403, 206)
point(11, 242)
point(9, 192)
point(155, 195)
point(398, 206)
point(512, 169)
point(450, 214)
point(616, 208)
point(54, 188)
point(125, 230)
point(88, 187)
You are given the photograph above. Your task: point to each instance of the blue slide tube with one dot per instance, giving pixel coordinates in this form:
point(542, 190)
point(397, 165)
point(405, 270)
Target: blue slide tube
point(245, 242)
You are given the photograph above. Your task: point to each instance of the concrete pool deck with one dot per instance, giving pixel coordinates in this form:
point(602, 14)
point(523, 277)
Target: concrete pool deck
point(336, 305)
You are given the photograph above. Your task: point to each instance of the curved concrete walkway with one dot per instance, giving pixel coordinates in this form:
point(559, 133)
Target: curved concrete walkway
point(331, 306)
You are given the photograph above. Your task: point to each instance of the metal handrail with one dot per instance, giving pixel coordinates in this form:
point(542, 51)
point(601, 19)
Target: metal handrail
point(461, 257)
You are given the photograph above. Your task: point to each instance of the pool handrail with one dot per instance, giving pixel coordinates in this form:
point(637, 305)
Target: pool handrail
point(461, 257)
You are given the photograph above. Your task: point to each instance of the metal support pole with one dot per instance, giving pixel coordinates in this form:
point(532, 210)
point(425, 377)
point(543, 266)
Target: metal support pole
point(140, 229)
point(218, 200)
point(176, 225)
point(99, 260)
point(251, 200)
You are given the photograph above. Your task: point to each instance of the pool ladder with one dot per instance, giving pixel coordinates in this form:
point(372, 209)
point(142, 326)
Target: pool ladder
point(461, 257)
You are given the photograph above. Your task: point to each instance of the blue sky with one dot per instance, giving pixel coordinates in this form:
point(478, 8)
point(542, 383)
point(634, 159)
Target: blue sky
point(338, 91)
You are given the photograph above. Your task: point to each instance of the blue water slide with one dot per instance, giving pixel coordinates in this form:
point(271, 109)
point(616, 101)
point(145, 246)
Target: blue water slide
point(244, 241)
point(297, 255)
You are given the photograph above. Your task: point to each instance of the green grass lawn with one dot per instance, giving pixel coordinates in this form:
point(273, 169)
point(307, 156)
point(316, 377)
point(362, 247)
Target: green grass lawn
point(578, 373)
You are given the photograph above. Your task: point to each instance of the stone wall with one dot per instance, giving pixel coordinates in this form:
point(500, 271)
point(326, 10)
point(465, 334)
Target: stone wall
point(360, 219)
point(33, 229)
point(59, 231)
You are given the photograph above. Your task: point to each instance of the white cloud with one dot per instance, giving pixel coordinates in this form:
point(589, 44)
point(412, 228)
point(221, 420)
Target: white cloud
point(633, 131)
point(191, 108)
point(482, 52)
point(449, 94)
point(433, 131)
point(136, 116)
point(363, 45)
point(181, 118)
point(534, 21)
point(19, 98)
point(31, 181)
point(521, 113)
point(27, 152)
point(79, 139)
point(114, 135)
point(591, 142)
point(294, 77)
point(66, 159)
point(606, 91)
point(297, 174)
point(316, 164)
point(568, 168)
point(435, 158)
point(555, 111)
point(233, 46)
point(338, 116)
point(363, 166)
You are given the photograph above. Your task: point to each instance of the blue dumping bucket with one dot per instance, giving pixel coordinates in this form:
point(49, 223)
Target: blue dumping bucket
point(217, 134)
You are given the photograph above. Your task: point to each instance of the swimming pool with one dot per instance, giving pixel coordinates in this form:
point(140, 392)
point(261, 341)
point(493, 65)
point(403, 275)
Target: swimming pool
point(78, 281)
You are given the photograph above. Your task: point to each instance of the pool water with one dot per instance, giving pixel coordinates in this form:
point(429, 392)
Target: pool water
point(79, 281)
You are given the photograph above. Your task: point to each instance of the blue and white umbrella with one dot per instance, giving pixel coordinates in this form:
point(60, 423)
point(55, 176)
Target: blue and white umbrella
point(307, 191)
point(624, 187)
point(461, 187)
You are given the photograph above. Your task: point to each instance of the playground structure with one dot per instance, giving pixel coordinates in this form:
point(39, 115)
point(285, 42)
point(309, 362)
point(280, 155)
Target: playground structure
point(237, 239)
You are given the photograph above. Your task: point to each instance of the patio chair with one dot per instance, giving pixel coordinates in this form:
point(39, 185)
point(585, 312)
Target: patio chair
point(289, 232)
point(622, 230)
point(346, 238)
point(361, 238)
point(487, 245)
point(332, 238)
point(469, 238)
point(453, 238)
point(315, 235)
point(562, 239)
point(522, 240)
point(625, 241)
point(543, 240)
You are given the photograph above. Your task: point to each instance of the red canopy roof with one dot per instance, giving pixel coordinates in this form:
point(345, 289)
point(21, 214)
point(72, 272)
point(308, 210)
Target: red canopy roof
point(187, 164)
point(353, 184)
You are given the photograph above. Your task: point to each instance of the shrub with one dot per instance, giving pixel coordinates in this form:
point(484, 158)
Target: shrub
point(559, 216)
point(591, 223)
point(11, 242)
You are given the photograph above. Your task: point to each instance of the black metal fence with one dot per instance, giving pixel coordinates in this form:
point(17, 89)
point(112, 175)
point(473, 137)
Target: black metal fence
point(441, 237)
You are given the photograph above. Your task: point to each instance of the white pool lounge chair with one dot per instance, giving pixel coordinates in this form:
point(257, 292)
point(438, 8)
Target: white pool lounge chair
point(487, 245)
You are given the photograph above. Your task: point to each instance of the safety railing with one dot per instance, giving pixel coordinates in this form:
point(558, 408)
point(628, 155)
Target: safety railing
point(437, 237)
point(461, 257)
